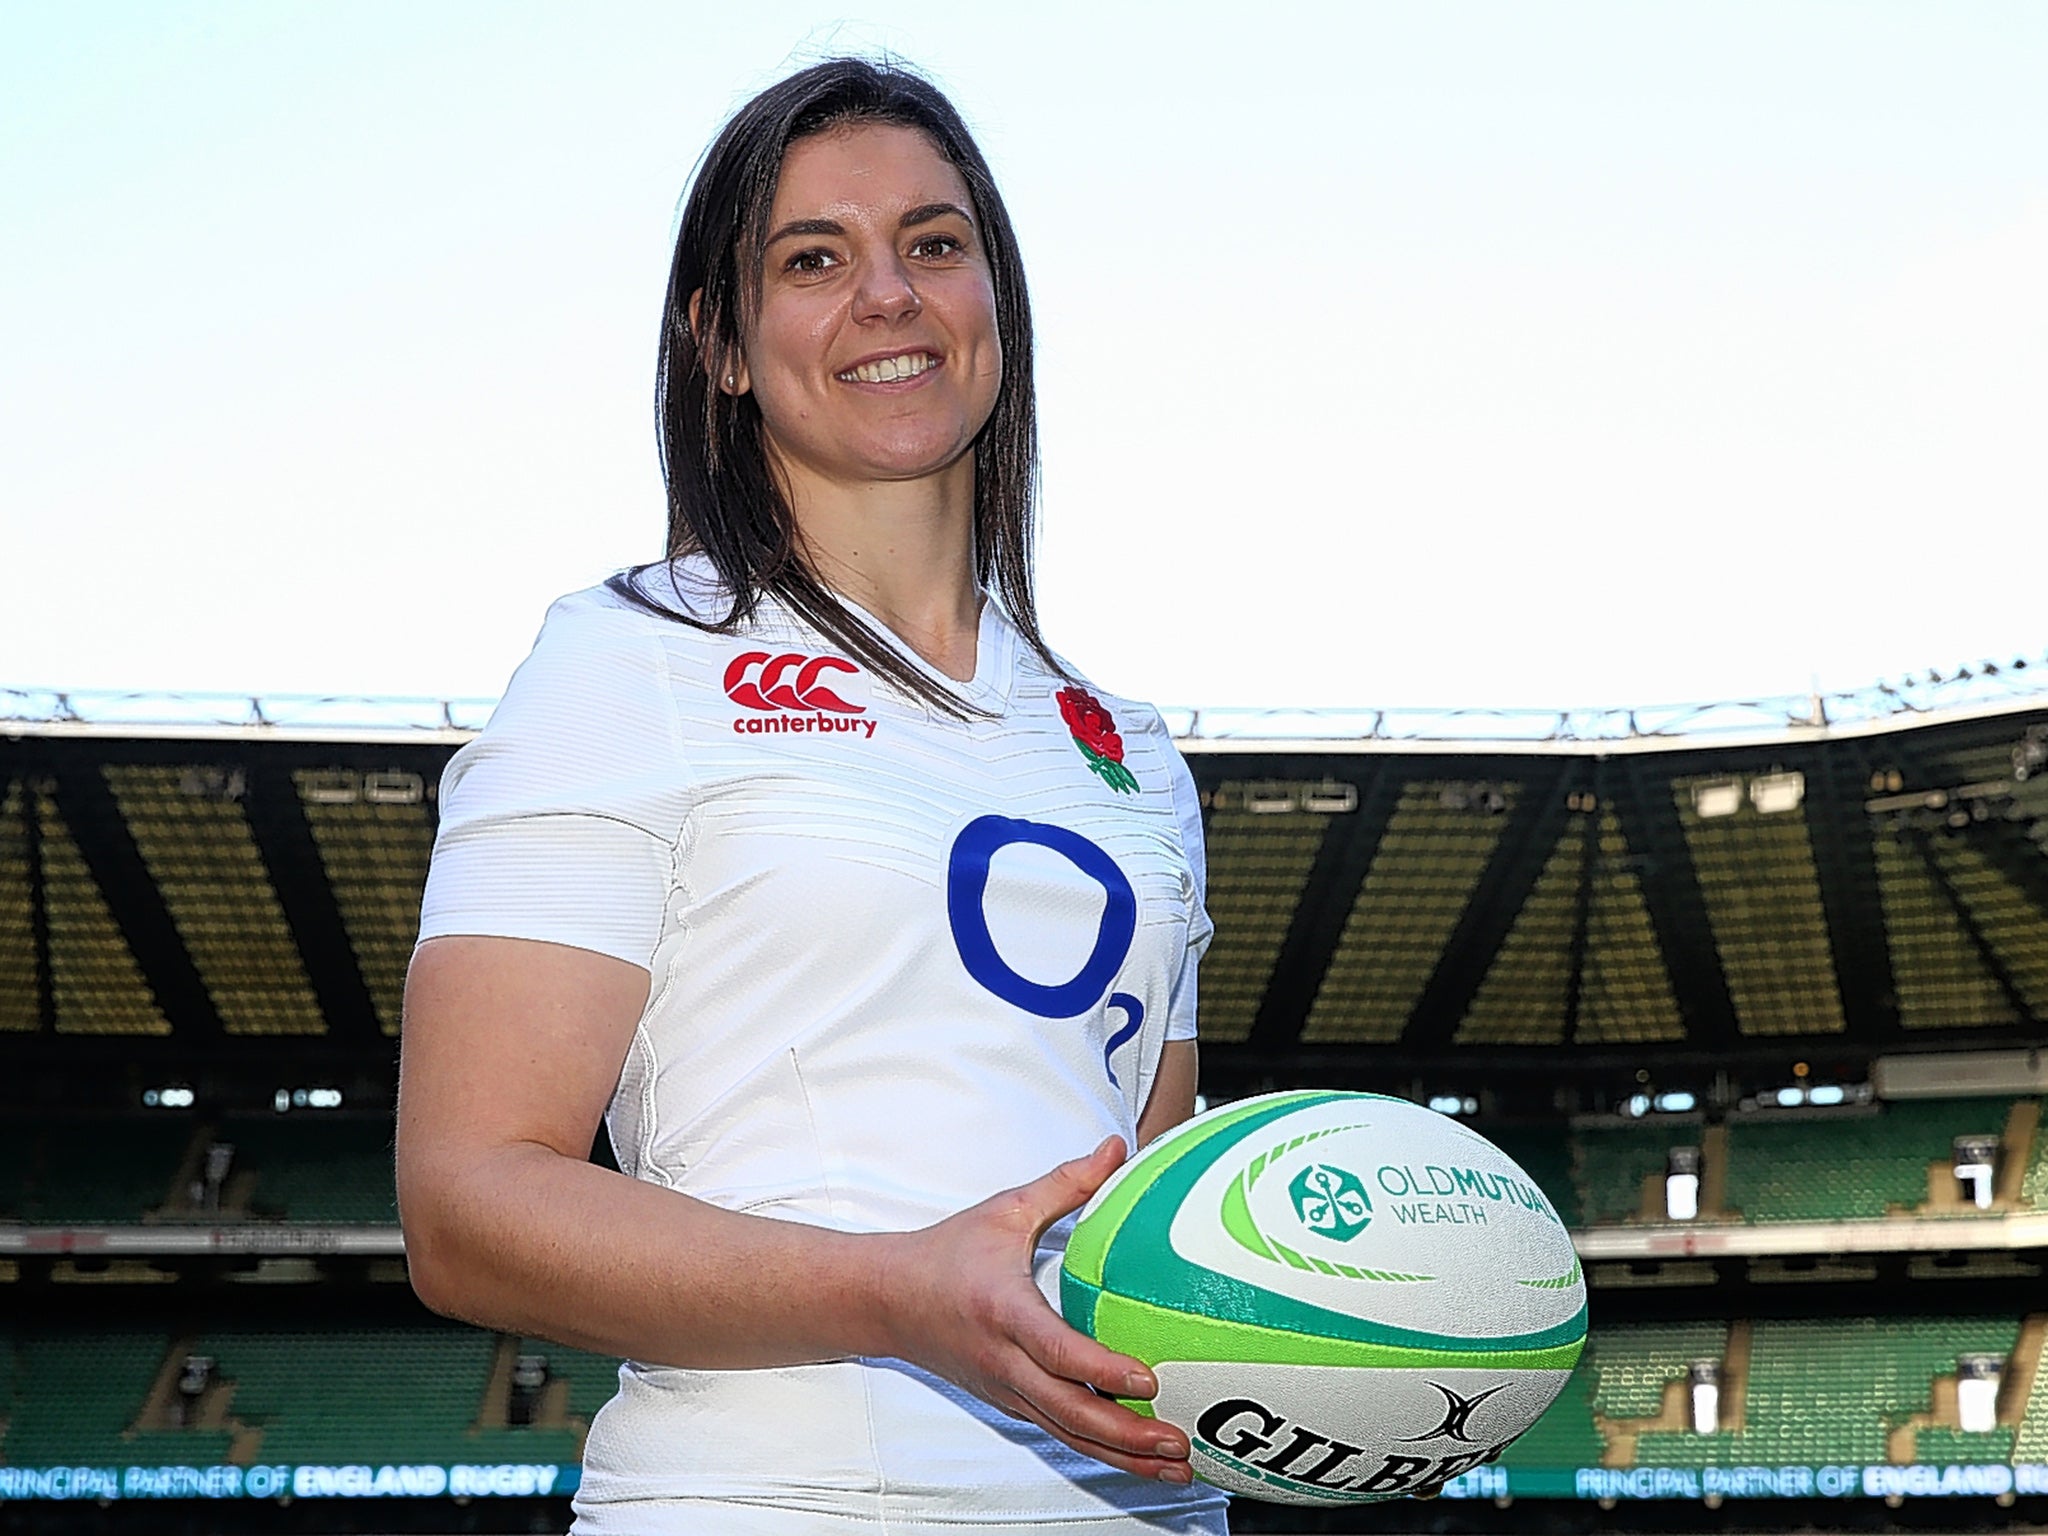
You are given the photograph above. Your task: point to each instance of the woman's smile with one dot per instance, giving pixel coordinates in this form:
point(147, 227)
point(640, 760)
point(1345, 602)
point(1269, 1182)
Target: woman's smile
point(891, 369)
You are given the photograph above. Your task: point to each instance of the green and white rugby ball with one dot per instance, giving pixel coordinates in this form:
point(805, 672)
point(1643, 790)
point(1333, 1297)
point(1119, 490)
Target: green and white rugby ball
point(1345, 1297)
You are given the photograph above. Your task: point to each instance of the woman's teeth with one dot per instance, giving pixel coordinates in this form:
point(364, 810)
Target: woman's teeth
point(888, 370)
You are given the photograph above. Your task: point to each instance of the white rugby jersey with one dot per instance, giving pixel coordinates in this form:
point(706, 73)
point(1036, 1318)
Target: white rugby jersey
point(900, 962)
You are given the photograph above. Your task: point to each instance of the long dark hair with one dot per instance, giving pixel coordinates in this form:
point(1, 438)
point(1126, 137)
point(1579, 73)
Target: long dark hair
point(723, 501)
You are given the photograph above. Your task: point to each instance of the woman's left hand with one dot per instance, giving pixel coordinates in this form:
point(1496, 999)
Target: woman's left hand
point(961, 1302)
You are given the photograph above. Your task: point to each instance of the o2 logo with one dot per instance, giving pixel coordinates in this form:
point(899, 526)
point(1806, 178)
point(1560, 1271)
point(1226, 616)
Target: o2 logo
point(967, 891)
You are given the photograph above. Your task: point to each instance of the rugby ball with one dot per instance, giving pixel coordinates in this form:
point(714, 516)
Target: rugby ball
point(1345, 1297)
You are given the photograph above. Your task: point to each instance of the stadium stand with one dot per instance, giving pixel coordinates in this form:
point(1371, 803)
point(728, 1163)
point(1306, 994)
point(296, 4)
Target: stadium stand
point(2034, 1188)
point(1625, 984)
point(78, 1393)
point(189, 826)
point(1762, 893)
point(1857, 1162)
point(312, 1168)
point(1254, 889)
point(374, 833)
point(55, 1170)
point(1637, 1361)
point(355, 1396)
point(418, 1393)
point(1423, 875)
point(1566, 1435)
point(1524, 999)
point(1618, 1169)
point(1830, 1390)
point(1552, 930)
point(2030, 1442)
point(20, 1011)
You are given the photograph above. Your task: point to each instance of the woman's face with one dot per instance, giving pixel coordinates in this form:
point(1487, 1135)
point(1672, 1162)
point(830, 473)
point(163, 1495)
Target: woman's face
point(874, 354)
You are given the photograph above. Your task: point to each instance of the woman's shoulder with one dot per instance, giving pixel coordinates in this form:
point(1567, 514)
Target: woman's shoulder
point(1075, 689)
point(658, 608)
point(662, 593)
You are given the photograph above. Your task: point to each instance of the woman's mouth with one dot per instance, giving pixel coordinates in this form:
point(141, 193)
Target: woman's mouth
point(889, 370)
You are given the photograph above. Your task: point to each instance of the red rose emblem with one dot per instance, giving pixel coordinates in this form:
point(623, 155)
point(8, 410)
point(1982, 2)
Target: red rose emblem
point(1094, 732)
point(1091, 724)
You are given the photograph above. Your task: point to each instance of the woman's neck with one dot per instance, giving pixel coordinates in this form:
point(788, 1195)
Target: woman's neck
point(903, 550)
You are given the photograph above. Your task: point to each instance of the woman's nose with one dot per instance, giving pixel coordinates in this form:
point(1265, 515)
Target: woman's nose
point(887, 291)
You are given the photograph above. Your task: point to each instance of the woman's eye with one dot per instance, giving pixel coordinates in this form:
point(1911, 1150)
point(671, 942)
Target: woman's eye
point(933, 247)
point(810, 261)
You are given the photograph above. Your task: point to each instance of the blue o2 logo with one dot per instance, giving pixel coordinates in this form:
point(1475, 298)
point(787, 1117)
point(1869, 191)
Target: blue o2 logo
point(967, 891)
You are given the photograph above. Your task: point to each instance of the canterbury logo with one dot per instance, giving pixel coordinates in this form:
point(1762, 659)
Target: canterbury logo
point(793, 692)
point(789, 681)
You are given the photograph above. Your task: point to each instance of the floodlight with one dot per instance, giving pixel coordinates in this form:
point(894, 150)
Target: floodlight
point(394, 787)
point(1722, 798)
point(1271, 797)
point(1773, 794)
point(331, 786)
point(1329, 797)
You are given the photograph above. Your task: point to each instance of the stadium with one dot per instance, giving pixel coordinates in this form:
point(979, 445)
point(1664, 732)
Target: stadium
point(1757, 994)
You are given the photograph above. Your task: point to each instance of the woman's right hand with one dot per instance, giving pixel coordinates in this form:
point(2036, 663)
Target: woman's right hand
point(961, 1302)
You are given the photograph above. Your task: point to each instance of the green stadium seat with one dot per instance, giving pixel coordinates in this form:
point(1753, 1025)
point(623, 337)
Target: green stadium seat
point(1831, 1390)
point(1565, 1436)
point(2034, 1187)
point(1636, 1360)
point(2030, 1443)
point(1837, 1165)
point(364, 1395)
point(76, 1396)
point(309, 1167)
point(1937, 1445)
point(72, 1172)
point(1609, 1164)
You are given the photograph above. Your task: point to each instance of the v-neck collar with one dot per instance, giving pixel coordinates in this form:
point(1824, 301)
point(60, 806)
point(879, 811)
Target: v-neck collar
point(995, 655)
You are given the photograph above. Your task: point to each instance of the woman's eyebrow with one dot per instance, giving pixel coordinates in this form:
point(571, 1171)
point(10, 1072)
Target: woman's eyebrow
point(807, 227)
point(927, 212)
point(924, 213)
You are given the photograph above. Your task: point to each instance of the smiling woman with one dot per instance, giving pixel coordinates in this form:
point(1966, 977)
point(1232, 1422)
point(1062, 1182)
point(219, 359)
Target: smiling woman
point(844, 222)
point(799, 858)
point(874, 356)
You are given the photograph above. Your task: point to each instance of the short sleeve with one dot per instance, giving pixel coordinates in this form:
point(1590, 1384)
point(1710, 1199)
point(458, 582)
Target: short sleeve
point(1187, 805)
point(562, 821)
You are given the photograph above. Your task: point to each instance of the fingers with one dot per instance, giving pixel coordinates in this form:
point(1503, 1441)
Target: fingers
point(1070, 1355)
point(1134, 1452)
point(1069, 1186)
point(1056, 1371)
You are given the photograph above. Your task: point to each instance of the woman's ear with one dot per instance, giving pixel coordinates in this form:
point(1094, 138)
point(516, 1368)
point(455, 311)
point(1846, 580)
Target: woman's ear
point(729, 373)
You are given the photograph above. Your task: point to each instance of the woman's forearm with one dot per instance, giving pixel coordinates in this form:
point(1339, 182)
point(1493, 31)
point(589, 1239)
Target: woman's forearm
point(525, 1240)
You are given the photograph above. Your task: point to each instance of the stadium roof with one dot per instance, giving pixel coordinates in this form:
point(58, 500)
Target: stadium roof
point(1828, 891)
point(357, 716)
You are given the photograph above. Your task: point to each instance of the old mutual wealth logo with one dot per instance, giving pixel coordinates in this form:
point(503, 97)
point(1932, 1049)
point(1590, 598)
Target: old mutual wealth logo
point(1331, 1202)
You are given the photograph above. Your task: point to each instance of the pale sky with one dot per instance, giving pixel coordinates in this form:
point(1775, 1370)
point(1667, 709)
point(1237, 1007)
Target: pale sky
point(1410, 354)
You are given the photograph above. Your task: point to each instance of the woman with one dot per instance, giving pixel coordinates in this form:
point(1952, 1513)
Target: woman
point(801, 859)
